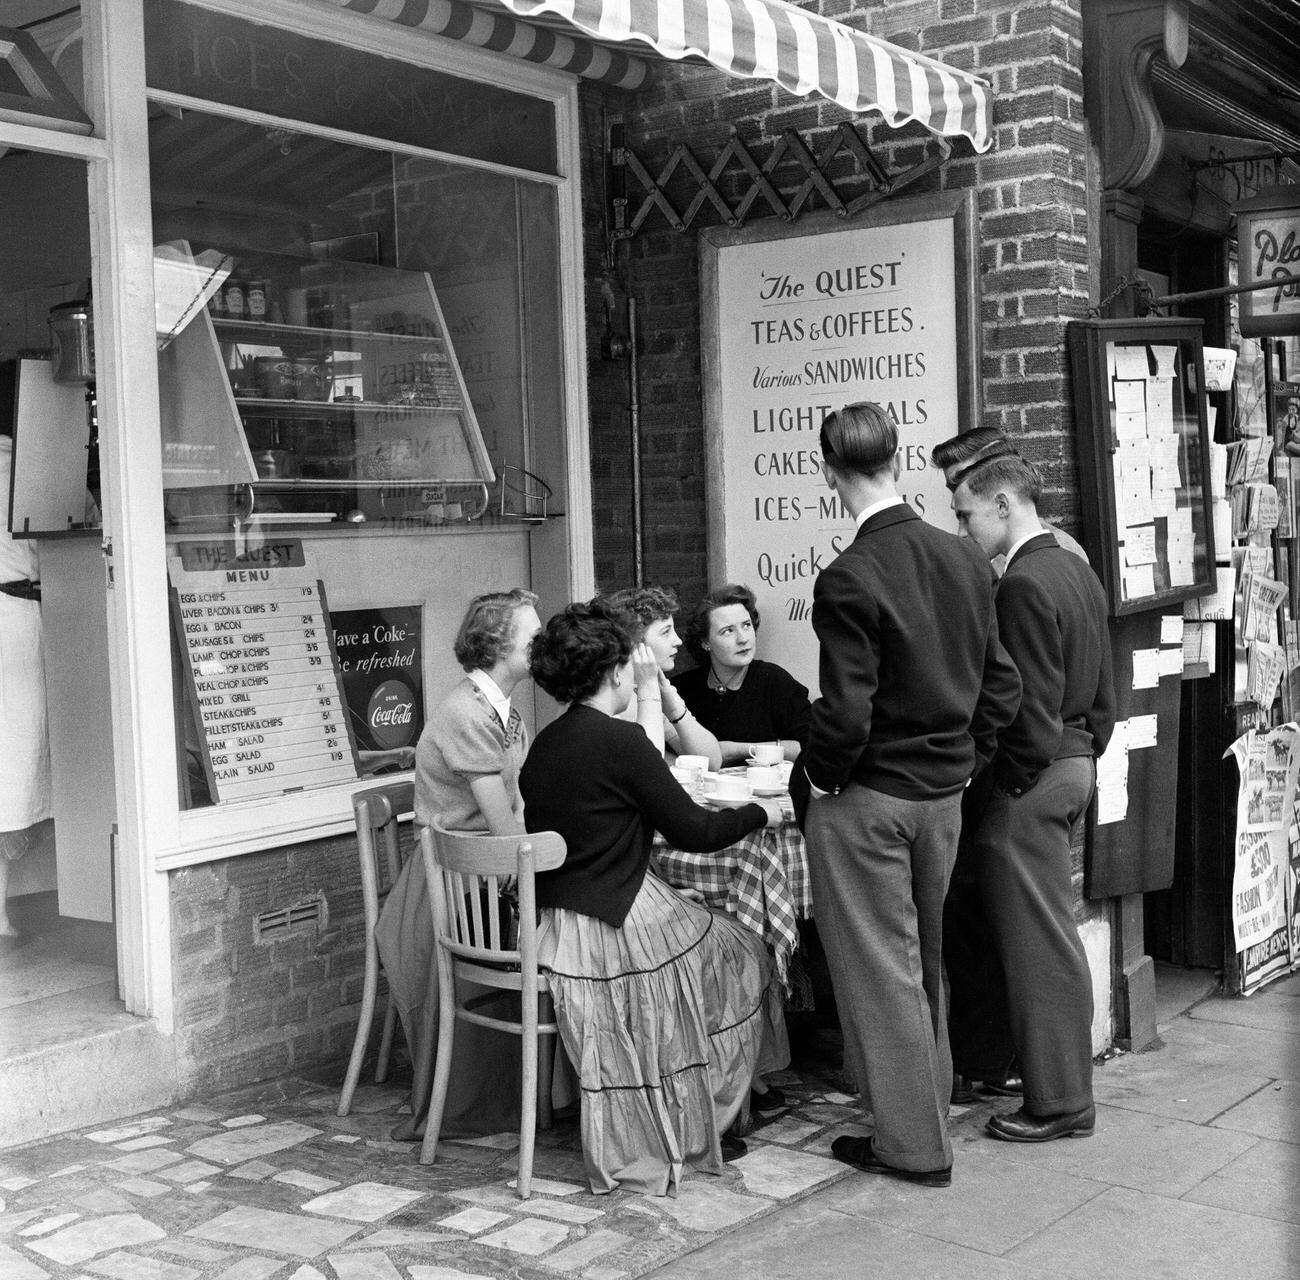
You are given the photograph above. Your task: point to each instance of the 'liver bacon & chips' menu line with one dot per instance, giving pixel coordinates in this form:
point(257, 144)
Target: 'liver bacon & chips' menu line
point(257, 641)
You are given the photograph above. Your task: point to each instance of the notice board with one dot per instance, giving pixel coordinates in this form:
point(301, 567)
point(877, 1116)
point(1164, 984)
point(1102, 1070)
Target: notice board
point(262, 677)
point(798, 321)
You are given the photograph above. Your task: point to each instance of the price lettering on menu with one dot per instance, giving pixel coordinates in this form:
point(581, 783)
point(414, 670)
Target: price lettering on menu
point(266, 692)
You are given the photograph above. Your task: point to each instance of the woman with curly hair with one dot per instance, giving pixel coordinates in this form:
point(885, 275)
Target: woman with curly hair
point(647, 615)
point(659, 1000)
point(731, 691)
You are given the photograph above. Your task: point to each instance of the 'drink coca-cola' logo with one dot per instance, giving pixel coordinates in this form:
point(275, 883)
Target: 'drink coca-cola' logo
point(391, 714)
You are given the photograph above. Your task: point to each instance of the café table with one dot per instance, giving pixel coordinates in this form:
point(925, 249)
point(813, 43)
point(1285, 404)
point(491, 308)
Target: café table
point(762, 880)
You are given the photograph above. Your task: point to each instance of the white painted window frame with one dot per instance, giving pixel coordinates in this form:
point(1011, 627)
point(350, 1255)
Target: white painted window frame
point(154, 834)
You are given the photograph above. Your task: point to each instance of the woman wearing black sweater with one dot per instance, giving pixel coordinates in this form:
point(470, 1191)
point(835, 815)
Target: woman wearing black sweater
point(659, 1000)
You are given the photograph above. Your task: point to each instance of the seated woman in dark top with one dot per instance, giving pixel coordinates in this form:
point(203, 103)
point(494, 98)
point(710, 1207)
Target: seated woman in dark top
point(659, 1000)
point(733, 693)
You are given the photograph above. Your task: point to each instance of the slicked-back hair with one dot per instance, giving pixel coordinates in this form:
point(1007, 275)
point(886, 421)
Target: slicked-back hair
point(577, 648)
point(488, 627)
point(970, 446)
point(640, 607)
point(697, 625)
point(1007, 474)
point(860, 437)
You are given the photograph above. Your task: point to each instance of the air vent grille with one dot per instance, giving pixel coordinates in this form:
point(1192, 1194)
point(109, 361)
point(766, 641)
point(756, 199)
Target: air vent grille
point(306, 916)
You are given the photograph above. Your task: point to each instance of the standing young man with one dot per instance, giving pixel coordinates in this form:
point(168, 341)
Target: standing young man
point(914, 687)
point(1052, 618)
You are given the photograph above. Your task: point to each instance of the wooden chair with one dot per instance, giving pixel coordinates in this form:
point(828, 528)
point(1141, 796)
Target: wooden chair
point(379, 851)
point(463, 871)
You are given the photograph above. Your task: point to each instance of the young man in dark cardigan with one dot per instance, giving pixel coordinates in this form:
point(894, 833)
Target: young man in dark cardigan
point(1052, 618)
point(914, 687)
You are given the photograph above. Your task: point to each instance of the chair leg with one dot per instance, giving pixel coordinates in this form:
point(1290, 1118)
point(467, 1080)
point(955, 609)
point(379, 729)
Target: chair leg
point(442, 1071)
point(386, 1041)
point(546, 1050)
point(528, 1104)
point(369, 991)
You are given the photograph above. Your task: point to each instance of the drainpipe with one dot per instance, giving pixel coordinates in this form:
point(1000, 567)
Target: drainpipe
point(634, 427)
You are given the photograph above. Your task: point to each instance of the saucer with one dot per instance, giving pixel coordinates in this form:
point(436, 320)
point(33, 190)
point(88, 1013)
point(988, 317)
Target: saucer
point(768, 793)
point(720, 802)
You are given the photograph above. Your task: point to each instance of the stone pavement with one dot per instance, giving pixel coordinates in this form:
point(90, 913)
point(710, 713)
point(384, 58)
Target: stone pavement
point(1193, 1172)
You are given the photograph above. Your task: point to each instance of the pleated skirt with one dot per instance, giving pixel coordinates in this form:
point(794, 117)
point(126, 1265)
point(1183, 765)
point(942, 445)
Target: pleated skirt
point(663, 1019)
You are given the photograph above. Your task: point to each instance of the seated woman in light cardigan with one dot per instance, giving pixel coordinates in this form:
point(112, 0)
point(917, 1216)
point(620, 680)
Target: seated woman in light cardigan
point(659, 999)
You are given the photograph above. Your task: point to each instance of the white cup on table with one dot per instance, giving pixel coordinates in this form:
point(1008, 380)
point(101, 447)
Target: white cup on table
point(766, 753)
point(764, 777)
point(731, 786)
point(696, 766)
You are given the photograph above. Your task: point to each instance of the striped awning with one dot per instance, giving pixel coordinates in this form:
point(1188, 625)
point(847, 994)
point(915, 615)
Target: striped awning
point(756, 39)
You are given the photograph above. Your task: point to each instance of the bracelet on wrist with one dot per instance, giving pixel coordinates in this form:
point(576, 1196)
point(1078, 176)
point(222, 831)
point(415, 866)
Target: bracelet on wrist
point(648, 697)
point(680, 718)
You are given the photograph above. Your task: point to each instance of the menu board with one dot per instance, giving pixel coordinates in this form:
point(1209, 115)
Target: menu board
point(798, 323)
point(267, 699)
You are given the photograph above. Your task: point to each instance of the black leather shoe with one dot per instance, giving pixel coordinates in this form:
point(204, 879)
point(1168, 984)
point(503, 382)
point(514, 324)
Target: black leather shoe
point(732, 1147)
point(1018, 1126)
point(1009, 1086)
point(766, 1103)
point(858, 1153)
point(963, 1091)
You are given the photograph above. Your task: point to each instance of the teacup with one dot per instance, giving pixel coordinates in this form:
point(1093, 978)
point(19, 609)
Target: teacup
point(763, 753)
point(787, 768)
point(763, 777)
point(698, 766)
point(731, 787)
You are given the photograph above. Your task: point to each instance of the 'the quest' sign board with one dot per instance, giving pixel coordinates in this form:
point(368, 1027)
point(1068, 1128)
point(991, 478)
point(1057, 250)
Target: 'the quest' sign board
point(799, 321)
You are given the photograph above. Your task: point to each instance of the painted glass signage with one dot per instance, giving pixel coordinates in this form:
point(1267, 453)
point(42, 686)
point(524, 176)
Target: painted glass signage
point(1268, 249)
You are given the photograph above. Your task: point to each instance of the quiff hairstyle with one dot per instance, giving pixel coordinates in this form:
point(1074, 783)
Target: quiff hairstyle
point(1005, 473)
point(860, 437)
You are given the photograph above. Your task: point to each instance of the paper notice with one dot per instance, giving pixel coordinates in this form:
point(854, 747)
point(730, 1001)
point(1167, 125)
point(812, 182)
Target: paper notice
point(1132, 362)
point(1139, 581)
point(1130, 396)
point(1146, 668)
point(1219, 470)
point(1140, 544)
point(1182, 571)
point(1222, 509)
point(1131, 426)
point(1218, 606)
point(1171, 628)
point(1198, 648)
point(1166, 359)
point(1171, 661)
point(1112, 777)
point(1160, 406)
point(1164, 502)
point(1141, 732)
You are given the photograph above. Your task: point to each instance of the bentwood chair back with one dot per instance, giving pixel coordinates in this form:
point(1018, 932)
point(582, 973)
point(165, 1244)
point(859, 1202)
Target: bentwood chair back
point(464, 872)
point(379, 852)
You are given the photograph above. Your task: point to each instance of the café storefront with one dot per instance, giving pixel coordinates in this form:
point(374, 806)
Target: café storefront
point(326, 288)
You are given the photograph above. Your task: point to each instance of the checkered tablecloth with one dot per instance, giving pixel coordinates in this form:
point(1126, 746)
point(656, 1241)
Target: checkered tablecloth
point(762, 880)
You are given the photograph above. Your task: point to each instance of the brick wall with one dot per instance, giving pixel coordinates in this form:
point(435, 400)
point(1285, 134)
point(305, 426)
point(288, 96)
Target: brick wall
point(246, 1010)
point(1032, 203)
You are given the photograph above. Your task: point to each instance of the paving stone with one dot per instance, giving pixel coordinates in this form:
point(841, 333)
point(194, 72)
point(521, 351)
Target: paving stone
point(999, 1202)
point(307, 1181)
point(196, 1188)
point(306, 1273)
point(788, 1131)
point(146, 1187)
point(773, 1171)
point(254, 1171)
point(549, 1187)
point(143, 1144)
point(422, 1272)
point(398, 1238)
point(495, 1141)
point(560, 1210)
point(46, 1225)
point(821, 1145)
point(12, 1221)
point(701, 1204)
point(13, 1266)
point(133, 1266)
point(242, 1122)
point(1262, 1181)
point(1193, 1084)
point(104, 1201)
point(190, 1171)
point(78, 1243)
point(472, 1221)
point(346, 1137)
point(532, 1237)
point(363, 1201)
point(120, 1133)
point(252, 1268)
point(256, 1228)
point(238, 1145)
point(1271, 1112)
point(596, 1245)
point(1128, 1232)
point(16, 1183)
point(199, 1113)
point(194, 1252)
point(67, 1171)
point(363, 1266)
point(144, 1161)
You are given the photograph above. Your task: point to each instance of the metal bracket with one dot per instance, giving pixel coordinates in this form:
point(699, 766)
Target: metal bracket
point(822, 170)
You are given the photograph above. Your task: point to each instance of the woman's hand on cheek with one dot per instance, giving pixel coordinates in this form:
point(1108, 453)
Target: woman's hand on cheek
point(645, 670)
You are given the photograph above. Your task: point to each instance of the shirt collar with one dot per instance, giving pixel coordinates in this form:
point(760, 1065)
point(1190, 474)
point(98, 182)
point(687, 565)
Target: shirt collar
point(1020, 542)
point(875, 507)
point(492, 692)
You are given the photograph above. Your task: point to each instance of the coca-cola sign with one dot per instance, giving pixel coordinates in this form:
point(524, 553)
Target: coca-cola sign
point(381, 662)
point(391, 714)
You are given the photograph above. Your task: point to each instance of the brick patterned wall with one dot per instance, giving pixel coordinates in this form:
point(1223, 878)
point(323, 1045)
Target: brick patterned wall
point(1033, 268)
point(248, 1011)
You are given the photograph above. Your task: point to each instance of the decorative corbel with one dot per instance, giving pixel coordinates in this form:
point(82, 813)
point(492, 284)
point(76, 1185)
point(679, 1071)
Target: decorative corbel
point(1122, 39)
